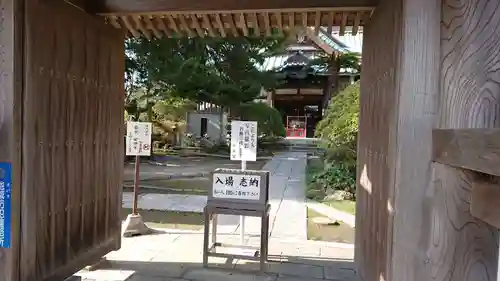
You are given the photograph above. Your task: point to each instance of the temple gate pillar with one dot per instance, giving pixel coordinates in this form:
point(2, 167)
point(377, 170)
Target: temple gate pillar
point(61, 135)
point(462, 247)
point(11, 90)
point(426, 64)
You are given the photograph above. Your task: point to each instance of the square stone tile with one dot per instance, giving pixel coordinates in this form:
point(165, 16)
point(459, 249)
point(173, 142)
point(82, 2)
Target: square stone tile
point(337, 253)
point(294, 278)
point(340, 273)
point(179, 256)
point(154, 269)
point(223, 275)
point(252, 266)
point(105, 275)
point(295, 249)
point(140, 277)
point(297, 269)
point(132, 255)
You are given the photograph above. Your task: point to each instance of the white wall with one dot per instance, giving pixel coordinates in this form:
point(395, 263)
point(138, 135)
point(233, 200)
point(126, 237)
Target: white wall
point(215, 126)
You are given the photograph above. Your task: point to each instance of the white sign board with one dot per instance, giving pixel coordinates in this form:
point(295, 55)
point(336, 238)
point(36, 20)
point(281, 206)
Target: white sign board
point(233, 186)
point(138, 140)
point(244, 140)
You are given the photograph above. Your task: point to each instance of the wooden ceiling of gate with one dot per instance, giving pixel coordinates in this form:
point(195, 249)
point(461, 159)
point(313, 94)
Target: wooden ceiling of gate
point(223, 18)
point(235, 24)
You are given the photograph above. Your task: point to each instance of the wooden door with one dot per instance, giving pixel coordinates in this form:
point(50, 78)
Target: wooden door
point(72, 140)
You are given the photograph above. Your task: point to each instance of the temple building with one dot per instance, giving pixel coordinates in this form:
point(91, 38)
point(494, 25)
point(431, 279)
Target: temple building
point(307, 83)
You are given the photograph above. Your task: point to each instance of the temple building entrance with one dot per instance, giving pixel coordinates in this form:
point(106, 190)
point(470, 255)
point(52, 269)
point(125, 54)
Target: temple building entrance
point(308, 81)
point(299, 117)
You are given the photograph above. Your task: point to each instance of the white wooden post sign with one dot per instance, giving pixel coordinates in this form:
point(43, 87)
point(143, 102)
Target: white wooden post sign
point(138, 140)
point(244, 141)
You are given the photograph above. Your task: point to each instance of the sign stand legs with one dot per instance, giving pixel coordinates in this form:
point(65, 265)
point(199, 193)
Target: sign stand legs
point(249, 253)
point(242, 218)
point(134, 225)
point(136, 184)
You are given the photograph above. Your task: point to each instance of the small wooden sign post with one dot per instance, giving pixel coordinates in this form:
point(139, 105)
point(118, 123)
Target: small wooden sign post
point(243, 148)
point(237, 192)
point(137, 143)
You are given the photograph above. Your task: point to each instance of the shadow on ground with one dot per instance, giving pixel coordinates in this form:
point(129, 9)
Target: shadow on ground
point(279, 268)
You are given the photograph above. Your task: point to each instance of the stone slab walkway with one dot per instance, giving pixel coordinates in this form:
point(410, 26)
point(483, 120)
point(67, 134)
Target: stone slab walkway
point(175, 255)
point(288, 217)
point(287, 198)
point(166, 202)
point(171, 255)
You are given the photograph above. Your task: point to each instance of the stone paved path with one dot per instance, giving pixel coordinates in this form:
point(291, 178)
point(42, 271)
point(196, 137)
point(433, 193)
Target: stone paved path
point(174, 255)
point(288, 195)
point(287, 198)
point(288, 217)
point(166, 202)
point(177, 256)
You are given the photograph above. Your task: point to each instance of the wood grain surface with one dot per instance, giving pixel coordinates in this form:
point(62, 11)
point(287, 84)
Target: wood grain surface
point(151, 6)
point(418, 94)
point(472, 149)
point(72, 142)
point(485, 200)
point(11, 98)
point(464, 248)
point(376, 140)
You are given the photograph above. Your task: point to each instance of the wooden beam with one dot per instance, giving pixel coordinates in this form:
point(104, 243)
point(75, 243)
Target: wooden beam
point(208, 25)
point(173, 25)
point(114, 22)
point(331, 19)
point(472, 149)
point(197, 26)
point(195, 6)
point(343, 24)
point(357, 22)
point(267, 26)
point(291, 20)
point(152, 26)
point(220, 25)
point(141, 27)
point(232, 25)
point(304, 19)
point(160, 21)
point(243, 24)
point(279, 21)
point(185, 26)
point(317, 22)
point(255, 24)
point(130, 28)
point(485, 201)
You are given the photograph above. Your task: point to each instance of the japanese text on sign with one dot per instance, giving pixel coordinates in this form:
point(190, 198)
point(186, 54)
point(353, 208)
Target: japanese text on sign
point(138, 140)
point(5, 204)
point(243, 140)
point(234, 186)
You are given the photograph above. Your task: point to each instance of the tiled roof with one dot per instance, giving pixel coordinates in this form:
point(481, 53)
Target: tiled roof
point(345, 43)
point(353, 42)
point(277, 61)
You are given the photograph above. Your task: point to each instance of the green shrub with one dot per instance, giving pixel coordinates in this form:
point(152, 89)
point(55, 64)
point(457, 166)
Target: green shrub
point(338, 130)
point(339, 126)
point(268, 119)
point(337, 176)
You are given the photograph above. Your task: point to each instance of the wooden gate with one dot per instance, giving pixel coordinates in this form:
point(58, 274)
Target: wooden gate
point(72, 158)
